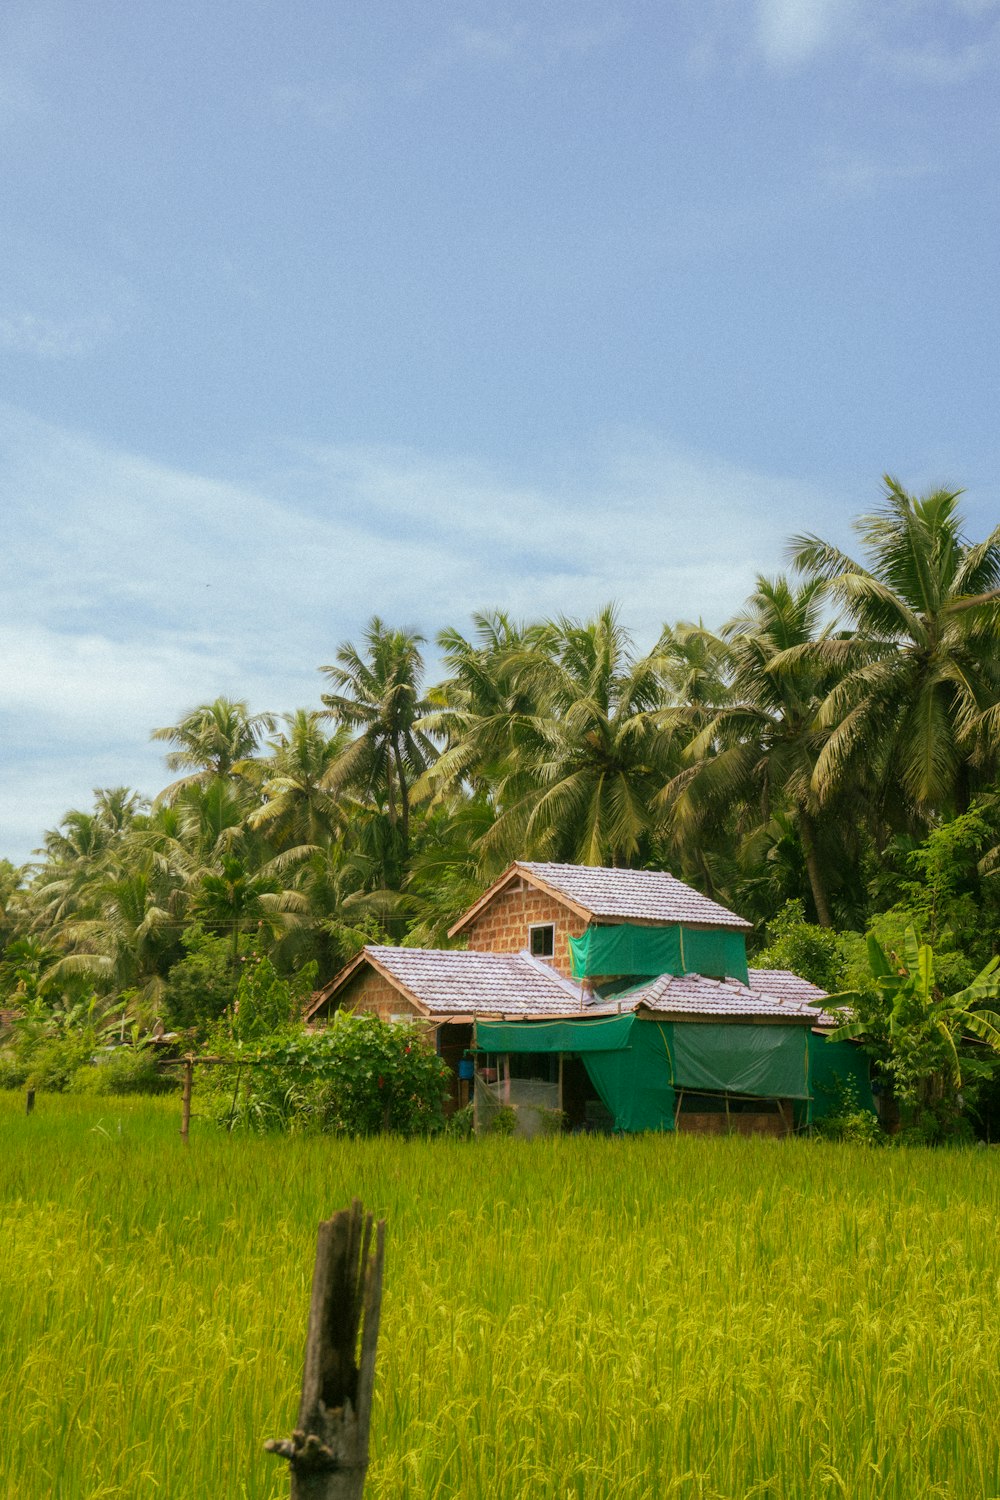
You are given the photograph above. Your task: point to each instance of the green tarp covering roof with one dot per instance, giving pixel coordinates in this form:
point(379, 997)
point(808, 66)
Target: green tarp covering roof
point(627, 948)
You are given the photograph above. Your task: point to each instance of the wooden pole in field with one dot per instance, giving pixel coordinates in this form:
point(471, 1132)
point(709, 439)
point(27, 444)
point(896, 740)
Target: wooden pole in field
point(328, 1451)
point(29, 1102)
point(186, 1098)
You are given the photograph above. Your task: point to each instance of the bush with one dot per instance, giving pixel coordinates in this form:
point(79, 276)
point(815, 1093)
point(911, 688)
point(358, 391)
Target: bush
point(848, 1119)
point(52, 1062)
point(13, 1072)
point(813, 952)
point(359, 1076)
point(124, 1070)
point(504, 1121)
point(462, 1124)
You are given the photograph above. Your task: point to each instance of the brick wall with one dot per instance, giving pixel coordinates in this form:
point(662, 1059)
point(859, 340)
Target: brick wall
point(502, 926)
point(371, 993)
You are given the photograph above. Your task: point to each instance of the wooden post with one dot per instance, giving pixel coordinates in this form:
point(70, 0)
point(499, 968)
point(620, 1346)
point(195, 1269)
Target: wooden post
point(328, 1451)
point(186, 1098)
point(29, 1103)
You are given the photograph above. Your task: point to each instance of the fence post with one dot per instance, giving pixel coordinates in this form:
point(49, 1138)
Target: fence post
point(328, 1451)
point(29, 1102)
point(186, 1098)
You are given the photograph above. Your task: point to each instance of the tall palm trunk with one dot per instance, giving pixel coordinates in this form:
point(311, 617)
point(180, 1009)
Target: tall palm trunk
point(807, 833)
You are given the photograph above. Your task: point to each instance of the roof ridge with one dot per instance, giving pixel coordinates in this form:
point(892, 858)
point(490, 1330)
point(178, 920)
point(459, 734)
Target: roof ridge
point(540, 965)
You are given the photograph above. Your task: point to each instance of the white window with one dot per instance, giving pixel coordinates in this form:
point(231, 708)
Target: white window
point(542, 940)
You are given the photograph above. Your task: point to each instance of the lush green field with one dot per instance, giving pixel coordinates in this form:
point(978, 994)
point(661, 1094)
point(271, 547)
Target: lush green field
point(571, 1317)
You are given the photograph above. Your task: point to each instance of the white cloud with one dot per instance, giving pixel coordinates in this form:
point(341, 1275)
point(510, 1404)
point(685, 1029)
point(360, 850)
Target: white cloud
point(941, 42)
point(131, 591)
point(790, 32)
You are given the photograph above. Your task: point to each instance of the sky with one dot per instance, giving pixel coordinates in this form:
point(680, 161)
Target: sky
point(315, 310)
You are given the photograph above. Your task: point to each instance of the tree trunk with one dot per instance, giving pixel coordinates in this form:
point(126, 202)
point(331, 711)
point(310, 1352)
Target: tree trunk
point(328, 1452)
point(404, 802)
point(807, 834)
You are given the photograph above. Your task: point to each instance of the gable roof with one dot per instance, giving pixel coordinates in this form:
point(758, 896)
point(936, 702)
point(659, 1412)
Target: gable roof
point(450, 982)
point(598, 893)
point(771, 995)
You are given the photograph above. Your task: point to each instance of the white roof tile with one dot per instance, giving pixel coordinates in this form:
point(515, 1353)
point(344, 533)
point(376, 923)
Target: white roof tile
point(772, 994)
point(644, 895)
point(450, 982)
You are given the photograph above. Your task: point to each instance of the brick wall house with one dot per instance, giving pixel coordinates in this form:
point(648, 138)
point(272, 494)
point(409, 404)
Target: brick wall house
point(505, 924)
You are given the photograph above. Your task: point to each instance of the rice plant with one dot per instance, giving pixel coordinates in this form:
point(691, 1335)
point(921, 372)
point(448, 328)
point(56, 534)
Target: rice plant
point(648, 1317)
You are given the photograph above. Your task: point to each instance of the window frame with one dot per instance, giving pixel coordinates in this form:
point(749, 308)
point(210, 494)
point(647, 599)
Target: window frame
point(534, 927)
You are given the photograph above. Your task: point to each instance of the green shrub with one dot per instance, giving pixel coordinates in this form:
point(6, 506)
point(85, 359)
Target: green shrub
point(52, 1062)
point(848, 1119)
point(461, 1125)
point(13, 1071)
point(124, 1070)
point(504, 1122)
point(358, 1076)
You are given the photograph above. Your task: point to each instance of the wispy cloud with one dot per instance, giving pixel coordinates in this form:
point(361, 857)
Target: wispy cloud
point(53, 338)
point(939, 42)
point(860, 174)
point(132, 590)
point(790, 32)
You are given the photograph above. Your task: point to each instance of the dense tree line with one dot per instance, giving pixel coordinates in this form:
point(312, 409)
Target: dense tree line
point(830, 753)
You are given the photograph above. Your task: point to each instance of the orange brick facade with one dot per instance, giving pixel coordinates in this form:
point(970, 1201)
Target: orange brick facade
point(503, 926)
point(371, 993)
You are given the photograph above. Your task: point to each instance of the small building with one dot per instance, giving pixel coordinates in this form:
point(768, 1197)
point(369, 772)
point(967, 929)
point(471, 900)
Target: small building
point(609, 999)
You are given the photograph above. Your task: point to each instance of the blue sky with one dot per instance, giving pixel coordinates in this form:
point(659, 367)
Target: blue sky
point(315, 310)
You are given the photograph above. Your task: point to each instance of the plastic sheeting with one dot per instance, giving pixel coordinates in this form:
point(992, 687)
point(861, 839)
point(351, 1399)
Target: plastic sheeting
point(647, 951)
point(768, 1061)
point(831, 1063)
point(634, 1084)
point(596, 1034)
point(638, 1066)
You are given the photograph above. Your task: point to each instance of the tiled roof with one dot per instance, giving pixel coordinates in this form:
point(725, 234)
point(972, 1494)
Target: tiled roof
point(645, 895)
point(772, 994)
point(450, 982)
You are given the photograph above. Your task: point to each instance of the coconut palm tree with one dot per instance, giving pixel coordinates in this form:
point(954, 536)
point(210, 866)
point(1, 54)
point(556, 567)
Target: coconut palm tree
point(235, 899)
point(582, 773)
point(485, 704)
point(211, 740)
point(379, 695)
point(297, 806)
point(757, 755)
point(916, 681)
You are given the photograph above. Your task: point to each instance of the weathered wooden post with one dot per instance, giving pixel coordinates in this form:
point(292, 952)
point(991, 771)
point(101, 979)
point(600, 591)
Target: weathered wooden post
point(186, 1098)
point(29, 1103)
point(328, 1451)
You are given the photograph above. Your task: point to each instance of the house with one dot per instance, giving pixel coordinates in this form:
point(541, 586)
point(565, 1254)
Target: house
point(611, 997)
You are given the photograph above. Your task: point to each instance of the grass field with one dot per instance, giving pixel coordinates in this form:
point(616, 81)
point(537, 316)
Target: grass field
point(638, 1318)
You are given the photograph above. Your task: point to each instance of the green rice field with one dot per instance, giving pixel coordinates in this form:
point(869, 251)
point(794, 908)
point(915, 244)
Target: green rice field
point(572, 1317)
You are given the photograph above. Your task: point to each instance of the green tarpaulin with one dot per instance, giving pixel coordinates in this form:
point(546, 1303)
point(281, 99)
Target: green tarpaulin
point(637, 1067)
point(629, 949)
point(831, 1063)
point(598, 1034)
point(769, 1061)
point(634, 1085)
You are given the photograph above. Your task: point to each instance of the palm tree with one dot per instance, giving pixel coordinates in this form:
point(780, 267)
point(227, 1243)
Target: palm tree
point(758, 754)
point(235, 898)
point(487, 701)
point(298, 807)
point(211, 740)
point(582, 772)
point(379, 695)
point(916, 688)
